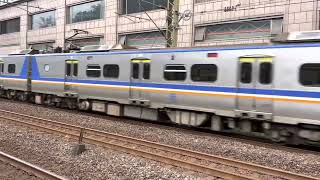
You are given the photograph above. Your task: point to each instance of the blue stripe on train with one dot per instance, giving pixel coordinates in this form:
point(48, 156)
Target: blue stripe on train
point(291, 93)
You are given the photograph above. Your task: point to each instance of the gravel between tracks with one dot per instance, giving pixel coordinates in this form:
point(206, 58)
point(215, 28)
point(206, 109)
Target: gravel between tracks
point(308, 164)
point(53, 153)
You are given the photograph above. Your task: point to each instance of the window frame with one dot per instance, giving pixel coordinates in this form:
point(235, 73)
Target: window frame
point(146, 74)
point(1, 67)
point(240, 75)
point(68, 69)
point(299, 76)
point(14, 69)
point(182, 65)
point(134, 74)
point(92, 69)
point(204, 81)
point(113, 77)
point(31, 26)
point(70, 14)
point(4, 26)
point(270, 73)
point(123, 7)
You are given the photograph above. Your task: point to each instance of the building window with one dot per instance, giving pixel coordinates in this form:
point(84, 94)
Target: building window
point(204, 72)
point(93, 71)
point(11, 68)
point(86, 12)
point(43, 20)
point(10, 26)
point(111, 71)
point(203, 1)
point(239, 30)
point(135, 6)
point(175, 73)
point(5, 2)
point(310, 75)
point(86, 42)
point(145, 40)
point(42, 46)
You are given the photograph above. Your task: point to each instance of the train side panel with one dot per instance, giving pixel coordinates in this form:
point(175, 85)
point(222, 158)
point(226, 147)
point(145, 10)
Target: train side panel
point(15, 73)
point(48, 74)
point(191, 94)
point(102, 87)
point(300, 103)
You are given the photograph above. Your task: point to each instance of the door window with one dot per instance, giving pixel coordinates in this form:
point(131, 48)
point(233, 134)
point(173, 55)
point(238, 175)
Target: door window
point(1, 68)
point(75, 69)
point(146, 71)
point(265, 76)
point(135, 71)
point(72, 68)
point(68, 69)
point(246, 73)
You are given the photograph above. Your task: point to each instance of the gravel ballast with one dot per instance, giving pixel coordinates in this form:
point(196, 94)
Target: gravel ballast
point(54, 153)
point(308, 164)
point(8, 172)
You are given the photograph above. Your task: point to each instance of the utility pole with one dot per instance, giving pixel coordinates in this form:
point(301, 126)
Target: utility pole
point(172, 23)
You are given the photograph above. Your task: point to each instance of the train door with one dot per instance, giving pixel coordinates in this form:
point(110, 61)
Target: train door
point(71, 74)
point(255, 80)
point(1, 72)
point(140, 73)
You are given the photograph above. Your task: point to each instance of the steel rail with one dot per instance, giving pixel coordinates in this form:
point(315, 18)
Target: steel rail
point(168, 160)
point(30, 168)
point(167, 148)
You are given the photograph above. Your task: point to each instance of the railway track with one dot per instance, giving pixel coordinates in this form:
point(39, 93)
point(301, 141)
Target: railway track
point(200, 162)
point(29, 168)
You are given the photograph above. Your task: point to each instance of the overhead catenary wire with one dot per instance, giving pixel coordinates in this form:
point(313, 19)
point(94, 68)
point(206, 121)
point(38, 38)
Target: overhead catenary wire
point(162, 33)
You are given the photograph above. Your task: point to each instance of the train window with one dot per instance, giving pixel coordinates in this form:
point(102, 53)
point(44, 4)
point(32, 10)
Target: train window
point(246, 71)
point(135, 71)
point(75, 69)
point(146, 71)
point(11, 68)
point(93, 70)
point(265, 76)
point(310, 75)
point(68, 69)
point(175, 73)
point(204, 72)
point(111, 71)
point(1, 68)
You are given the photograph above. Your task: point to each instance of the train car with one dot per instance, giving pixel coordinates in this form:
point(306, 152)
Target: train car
point(14, 77)
point(267, 90)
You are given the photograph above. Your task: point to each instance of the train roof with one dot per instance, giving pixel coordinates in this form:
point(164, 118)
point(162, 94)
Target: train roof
point(180, 50)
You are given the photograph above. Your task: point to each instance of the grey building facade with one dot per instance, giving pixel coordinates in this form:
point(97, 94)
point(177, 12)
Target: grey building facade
point(45, 24)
